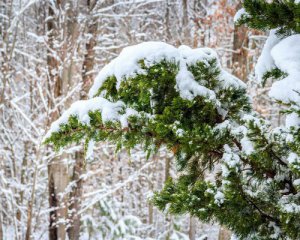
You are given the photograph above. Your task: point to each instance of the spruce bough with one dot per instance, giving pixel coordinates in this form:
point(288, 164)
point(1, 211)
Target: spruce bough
point(234, 168)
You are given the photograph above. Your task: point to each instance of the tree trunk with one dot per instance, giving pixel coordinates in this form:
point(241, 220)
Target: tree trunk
point(78, 170)
point(75, 197)
point(185, 24)
point(192, 229)
point(167, 21)
point(57, 168)
point(224, 234)
point(240, 54)
point(57, 183)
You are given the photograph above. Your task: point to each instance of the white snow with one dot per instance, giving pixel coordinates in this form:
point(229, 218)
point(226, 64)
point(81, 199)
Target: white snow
point(234, 237)
point(276, 230)
point(247, 145)
point(219, 198)
point(228, 80)
point(230, 158)
point(179, 132)
point(123, 118)
point(254, 119)
point(265, 62)
point(239, 14)
point(90, 149)
point(292, 120)
point(291, 208)
point(223, 126)
point(286, 55)
point(293, 158)
point(80, 109)
point(188, 87)
point(296, 182)
point(127, 65)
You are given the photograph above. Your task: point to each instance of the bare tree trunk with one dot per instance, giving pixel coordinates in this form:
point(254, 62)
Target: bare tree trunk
point(240, 52)
point(31, 201)
point(192, 229)
point(75, 197)
point(78, 170)
point(167, 21)
point(185, 23)
point(57, 183)
point(24, 165)
point(224, 234)
point(57, 168)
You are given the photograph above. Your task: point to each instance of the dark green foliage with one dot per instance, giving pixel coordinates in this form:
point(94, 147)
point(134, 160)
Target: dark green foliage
point(275, 73)
point(154, 93)
point(248, 215)
point(192, 130)
point(254, 194)
point(281, 14)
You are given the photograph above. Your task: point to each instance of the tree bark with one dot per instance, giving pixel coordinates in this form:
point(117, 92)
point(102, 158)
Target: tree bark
point(224, 234)
point(57, 168)
point(78, 170)
point(75, 197)
point(240, 52)
point(192, 229)
point(185, 23)
point(57, 183)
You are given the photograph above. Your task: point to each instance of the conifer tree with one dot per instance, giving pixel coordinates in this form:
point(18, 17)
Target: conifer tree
point(233, 167)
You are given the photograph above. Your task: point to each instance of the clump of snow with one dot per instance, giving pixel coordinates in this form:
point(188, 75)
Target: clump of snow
point(188, 87)
point(127, 65)
point(219, 198)
point(124, 117)
point(289, 138)
point(276, 230)
point(239, 14)
point(191, 56)
point(210, 191)
point(234, 237)
point(180, 132)
point(90, 149)
point(265, 62)
point(286, 55)
point(230, 158)
point(296, 182)
point(109, 112)
point(290, 208)
point(247, 145)
point(293, 158)
point(251, 118)
point(228, 80)
point(223, 126)
point(292, 120)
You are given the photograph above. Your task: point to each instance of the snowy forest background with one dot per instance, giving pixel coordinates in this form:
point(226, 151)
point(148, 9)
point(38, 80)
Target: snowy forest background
point(50, 52)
